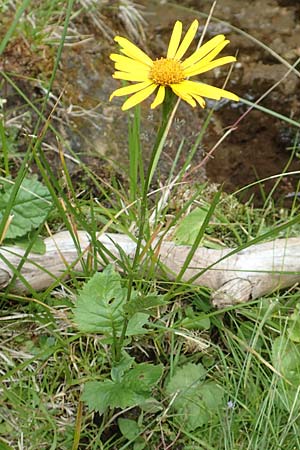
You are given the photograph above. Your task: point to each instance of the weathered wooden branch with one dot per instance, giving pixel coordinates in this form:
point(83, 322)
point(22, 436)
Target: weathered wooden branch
point(233, 277)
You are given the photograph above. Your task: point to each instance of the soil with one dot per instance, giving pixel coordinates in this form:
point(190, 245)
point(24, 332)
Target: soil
point(260, 146)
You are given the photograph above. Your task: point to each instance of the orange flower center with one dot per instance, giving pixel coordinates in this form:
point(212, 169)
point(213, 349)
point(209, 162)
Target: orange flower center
point(166, 71)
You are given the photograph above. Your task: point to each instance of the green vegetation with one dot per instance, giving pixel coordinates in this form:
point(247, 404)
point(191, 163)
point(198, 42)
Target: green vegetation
point(124, 359)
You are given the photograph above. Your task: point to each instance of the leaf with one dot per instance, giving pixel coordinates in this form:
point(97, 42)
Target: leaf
point(196, 323)
point(132, 390)
point(139, 444)
point(117, 372)
point(194, 320)
point(189, 227)
point(294, 328)
point(195, 400)
point(136, 323)
point(29, 209)
point(129, 428)
point(286, 359)
point(213, 244)
point(98, 395)
point(144, 304)
point(4, 446)
point(186, 377)
point(151, 405)
point(142, 377)
point(38, 246)
point(99, 305)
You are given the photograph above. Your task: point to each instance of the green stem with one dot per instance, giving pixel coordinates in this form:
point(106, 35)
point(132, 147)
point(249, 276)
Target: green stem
point(4, 147)
point(168, 113)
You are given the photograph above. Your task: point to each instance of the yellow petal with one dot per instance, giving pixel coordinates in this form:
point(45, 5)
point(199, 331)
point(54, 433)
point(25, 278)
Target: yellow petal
point(175, 39)
point(205, 90)
point(127, 90)
point(125, 64)
point(160, 96)
point(217, 93)
point(200, 100)
point(187, 91)
point(211, 55)
point(177, 89)
point(203, 51)
point(132, 67)
point(142, 76)
point(200, 68)
point(131, 50)
point(139, 97)
point(121, 59)
point(187, 40)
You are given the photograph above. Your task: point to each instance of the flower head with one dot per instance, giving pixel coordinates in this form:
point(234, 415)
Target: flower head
point(170, 71)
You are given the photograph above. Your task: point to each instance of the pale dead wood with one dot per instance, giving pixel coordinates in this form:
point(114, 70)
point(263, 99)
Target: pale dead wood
point(236, 278)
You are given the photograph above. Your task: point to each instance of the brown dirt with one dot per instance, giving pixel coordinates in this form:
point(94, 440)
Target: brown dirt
point(257, 149)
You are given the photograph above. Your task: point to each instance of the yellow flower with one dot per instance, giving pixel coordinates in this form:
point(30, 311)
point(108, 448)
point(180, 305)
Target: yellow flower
point(172, 71)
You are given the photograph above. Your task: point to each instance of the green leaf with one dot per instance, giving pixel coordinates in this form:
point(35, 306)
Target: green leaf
point(132, 390)
point(99, 305)
point(189, 227)
point(139, 444)
point(29, 209)
point(136, 323)
point(195, 400)
point(194, 320)
point(294, 328)
point(286, 359)
point(4, 446)
point(186, 377)
point(151, 405)
point(144, 304)
point(129, 428)
point(38, 246)
point(126, 362)
point(142, 377)
point(213, 244)
point(98, 395)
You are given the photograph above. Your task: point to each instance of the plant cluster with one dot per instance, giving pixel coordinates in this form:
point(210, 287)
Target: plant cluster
point(125, 358)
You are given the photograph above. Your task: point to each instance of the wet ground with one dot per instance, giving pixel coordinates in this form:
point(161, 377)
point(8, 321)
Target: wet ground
point(258, 148)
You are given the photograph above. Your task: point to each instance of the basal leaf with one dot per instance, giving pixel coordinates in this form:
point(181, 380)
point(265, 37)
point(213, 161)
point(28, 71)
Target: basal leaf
point(118, 370)
point(37, 246)
point(142, 377)
point(286, 359)
point(129, 428)
point(97, 395)
point(186, 377)
point(189, 227)
point(4, 446)
point(212, 396)
point(195, 320)
point(122, 396)
point(134, 389)
point(136, 324)
point(196, 400)
point(99, 306)
point(144, 304)
point(294, 327)
point(29, 209)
